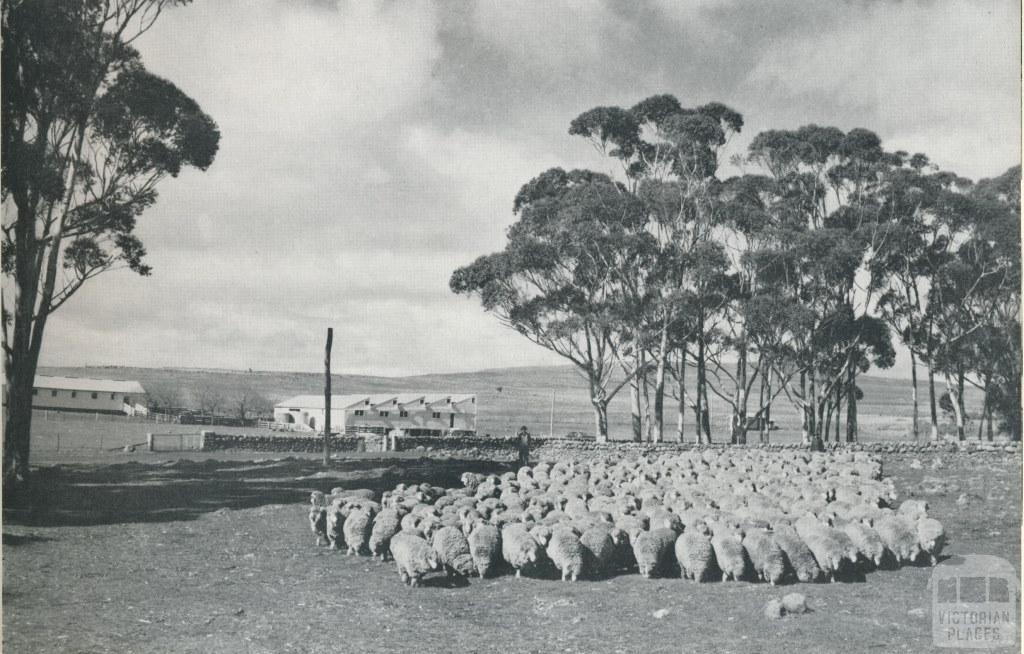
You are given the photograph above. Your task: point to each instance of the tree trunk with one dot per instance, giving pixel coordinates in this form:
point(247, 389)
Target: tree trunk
point(766, 414)
point(915, 429)
point(659, 389)
point(600, 419)
point(645, 390)
point(739, 420)
point(827, 431)
point(700, 409)
point(681, 378)
point(805, 424)
point(851, 406)
point(815, 410)
point(635, 410)
point(934, 413)
point(984, 413)
point(954, 391)
point(961, 414)
point(839, 410)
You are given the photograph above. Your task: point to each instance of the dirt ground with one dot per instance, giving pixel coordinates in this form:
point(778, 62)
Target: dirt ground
point(216, 556)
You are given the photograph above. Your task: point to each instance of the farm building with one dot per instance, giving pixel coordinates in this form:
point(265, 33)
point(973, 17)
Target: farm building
point(90, 395)
point(418, 414)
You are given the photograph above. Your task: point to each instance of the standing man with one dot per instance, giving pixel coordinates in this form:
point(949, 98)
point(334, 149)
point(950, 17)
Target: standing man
point(524, 446)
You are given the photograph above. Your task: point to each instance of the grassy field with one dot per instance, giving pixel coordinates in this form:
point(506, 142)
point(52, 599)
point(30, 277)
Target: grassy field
point(216, 556)
point(525, 397)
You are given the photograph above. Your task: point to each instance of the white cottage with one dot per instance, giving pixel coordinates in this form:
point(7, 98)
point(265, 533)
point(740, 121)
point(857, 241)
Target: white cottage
point(418, 414)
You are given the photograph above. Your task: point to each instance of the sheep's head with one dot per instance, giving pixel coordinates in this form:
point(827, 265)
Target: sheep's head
point(433, 560)
point(317, 498)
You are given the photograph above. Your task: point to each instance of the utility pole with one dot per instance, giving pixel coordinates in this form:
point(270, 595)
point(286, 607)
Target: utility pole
point(327, 397)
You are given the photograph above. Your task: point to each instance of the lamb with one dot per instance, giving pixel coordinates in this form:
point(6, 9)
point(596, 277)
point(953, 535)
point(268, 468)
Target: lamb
point(385, 525)
point(765, 555)
point(413, 556)
point(729, 554)
point(566, 552)
point(485, 547)
point(357, 530)
point(800, 557)
point(599, 548)
point(654, 551)
point(453, 552)
point(931, 537)
point(695, 554)
point(900, 537)
point(518, 547)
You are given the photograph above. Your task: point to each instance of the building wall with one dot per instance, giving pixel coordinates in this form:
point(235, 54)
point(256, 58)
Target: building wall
point(44, 398)
point(341, 418)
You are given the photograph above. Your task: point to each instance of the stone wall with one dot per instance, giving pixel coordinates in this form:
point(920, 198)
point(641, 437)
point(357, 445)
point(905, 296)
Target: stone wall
point(506, 448)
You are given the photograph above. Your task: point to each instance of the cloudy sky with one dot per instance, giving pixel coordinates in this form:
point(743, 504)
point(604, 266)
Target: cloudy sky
point(370, 148)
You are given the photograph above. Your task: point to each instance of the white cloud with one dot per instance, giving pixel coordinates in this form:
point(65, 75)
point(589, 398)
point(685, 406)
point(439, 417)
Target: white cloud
point(937, 75)
point(298, 69)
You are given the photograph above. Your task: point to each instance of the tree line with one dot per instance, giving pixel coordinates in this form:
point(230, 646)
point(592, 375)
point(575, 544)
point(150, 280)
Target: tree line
point(785, 282)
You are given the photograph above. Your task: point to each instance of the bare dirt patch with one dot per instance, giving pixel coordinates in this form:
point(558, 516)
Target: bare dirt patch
point(215, 556)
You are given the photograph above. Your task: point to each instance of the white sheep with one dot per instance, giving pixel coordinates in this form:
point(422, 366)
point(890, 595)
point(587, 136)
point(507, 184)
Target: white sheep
point(453, 551)
point(519, 549)
point(385, 525)
point(867, 541)
point(694, 553)
point(566, 552)
point(485, 547)
point(931, 537)
point(899, 536)
point(357, 530)
point(729, 554)
point(800, 557)
point(413, 556)
point(600, 549)
point(765, 555)
point(655, 551)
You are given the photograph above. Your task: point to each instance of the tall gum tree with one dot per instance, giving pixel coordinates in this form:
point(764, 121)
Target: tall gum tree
point(559, 280)
point(88, 133)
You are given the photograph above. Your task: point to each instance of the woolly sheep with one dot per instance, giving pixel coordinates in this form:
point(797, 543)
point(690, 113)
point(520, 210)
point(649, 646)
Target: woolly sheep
point(654, 551)
point(900, 537)
point(913, 510)
point(566, 552)
point(765, 555)
point(453, 552)
point(695, 554)
point(729, 554)
point(800, 557)
point(335, 526)
point(518, 547)
point(485, 547)
point(413, 556)
point(867, 541)
point(357, 529)
point(385, 525)
point(600, 549)
point(931, 538)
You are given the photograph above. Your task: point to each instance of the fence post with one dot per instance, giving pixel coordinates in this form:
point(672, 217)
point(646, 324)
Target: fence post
point(202, 438)
point(149, 441)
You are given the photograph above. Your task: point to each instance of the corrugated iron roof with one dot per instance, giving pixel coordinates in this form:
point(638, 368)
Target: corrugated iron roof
point(382, 399)
point(129, 387)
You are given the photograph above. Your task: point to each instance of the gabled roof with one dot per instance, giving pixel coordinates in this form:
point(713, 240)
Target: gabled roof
point(317, 402)
point(86, 384)
point(381, 400)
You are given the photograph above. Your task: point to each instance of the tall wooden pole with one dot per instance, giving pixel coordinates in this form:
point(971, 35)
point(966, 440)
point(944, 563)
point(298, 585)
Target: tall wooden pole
point(327, 397)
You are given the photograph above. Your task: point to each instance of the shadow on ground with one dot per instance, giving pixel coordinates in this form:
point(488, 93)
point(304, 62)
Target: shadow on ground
point(87, 494)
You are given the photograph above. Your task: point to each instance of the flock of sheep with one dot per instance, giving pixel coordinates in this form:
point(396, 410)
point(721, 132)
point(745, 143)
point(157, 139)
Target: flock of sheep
point(731, 514)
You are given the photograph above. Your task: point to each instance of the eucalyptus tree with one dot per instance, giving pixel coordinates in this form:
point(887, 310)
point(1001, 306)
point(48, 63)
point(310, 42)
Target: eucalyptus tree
point(559, 279)
point(828, 226)
point(669, 156)
point(88, 134)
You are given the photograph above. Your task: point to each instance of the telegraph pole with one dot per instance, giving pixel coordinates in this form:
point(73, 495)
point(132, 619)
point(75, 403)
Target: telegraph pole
point(551, 416)
point(327, 397)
